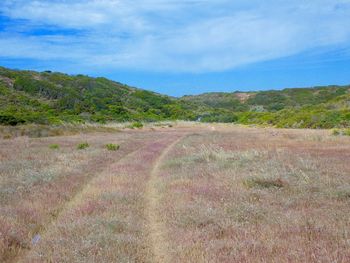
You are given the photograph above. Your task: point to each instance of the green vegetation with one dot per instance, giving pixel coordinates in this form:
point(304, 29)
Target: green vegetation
point(263, 183)
point(51, 98)
point(319, 107)
point(10, 120)
point(345, 132)
point(112, 147)
point(137, 125)
point(82, 146)
point(54, 98)
point(343, 193)
point(54, 146)
point(39, 130)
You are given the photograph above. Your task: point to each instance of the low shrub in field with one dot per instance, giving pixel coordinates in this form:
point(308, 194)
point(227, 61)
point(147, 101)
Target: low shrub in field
point(112, 147)
point(7, 137)
point(343, 193)
point(345, 132)
point(54, 146)
point(335, 132)
point(39, 131)
point(223, 117)
point(264, 183)
point(134, 125)
point(83, 146)
point(10, 120)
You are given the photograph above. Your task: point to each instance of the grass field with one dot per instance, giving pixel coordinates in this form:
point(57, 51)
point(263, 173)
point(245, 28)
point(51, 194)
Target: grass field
point(187, 193)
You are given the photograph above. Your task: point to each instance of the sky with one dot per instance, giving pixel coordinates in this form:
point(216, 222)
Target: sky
point(179, 47)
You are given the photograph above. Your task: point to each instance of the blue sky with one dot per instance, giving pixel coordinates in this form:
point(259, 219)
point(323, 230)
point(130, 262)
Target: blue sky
point(181, 47)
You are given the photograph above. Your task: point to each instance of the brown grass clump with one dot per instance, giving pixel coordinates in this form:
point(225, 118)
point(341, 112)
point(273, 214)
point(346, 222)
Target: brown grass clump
point(264, 183)
point(39, 131)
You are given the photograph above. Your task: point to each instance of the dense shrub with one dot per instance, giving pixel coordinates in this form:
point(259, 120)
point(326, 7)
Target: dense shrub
point(54, 146)
point(219, 117)
point(112, 147)
point(10, 120)
point(83, 146)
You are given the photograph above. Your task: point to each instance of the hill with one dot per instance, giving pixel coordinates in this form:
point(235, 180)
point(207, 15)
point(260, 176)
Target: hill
point(272, 100)
point(317, 107)
point(52, 98)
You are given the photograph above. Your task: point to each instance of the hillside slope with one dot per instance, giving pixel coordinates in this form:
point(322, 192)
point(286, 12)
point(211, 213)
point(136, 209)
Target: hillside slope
point(47, 97)
point(318, 107)
point(272, 100)
point(52, 98)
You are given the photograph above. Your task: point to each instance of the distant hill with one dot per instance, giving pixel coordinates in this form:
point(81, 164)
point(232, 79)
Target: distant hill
point(272, 100)
point(316, 107)
point(52, 98)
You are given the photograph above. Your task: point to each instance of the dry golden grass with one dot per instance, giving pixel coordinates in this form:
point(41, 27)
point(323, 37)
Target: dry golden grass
point(258, 195)
point(177, 193)
point(38, 131)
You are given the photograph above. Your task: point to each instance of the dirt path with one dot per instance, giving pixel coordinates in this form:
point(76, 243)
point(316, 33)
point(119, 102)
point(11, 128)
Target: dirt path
point(156, 225)
point(76, 199)
point(134, 213)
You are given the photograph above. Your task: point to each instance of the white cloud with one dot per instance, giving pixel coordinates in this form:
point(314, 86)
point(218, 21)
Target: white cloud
point(175, 35)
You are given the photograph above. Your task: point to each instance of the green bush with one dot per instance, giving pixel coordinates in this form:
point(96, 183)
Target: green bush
point(223, 117)
point(137, 125)
point(344, 132)
point(83, 146)
point(10, 120)
point(335, 132)
point(54, 146)
point(112, 147)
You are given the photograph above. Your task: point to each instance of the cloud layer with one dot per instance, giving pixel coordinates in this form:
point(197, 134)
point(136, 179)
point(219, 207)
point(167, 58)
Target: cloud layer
point(170, 35)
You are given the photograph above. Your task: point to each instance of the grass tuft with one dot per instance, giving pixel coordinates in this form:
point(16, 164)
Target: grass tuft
point(264, 183)
point(54, 146)
point(137, 125)
point(343, 193)
point(335, 132)
point(343, 132)
point(7, 137)
point(83, 146)
point(112, 147)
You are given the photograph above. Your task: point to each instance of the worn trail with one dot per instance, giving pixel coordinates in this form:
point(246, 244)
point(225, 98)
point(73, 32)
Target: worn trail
point(157, 228)
point(76, 199)
point(134, 182)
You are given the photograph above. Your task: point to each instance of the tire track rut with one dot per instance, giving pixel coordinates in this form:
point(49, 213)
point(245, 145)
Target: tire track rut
point(21, 257)
point(157, 229)
point(154, 225)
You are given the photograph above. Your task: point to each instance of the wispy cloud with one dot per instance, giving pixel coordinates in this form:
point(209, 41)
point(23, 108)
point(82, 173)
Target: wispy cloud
point(170, 35)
